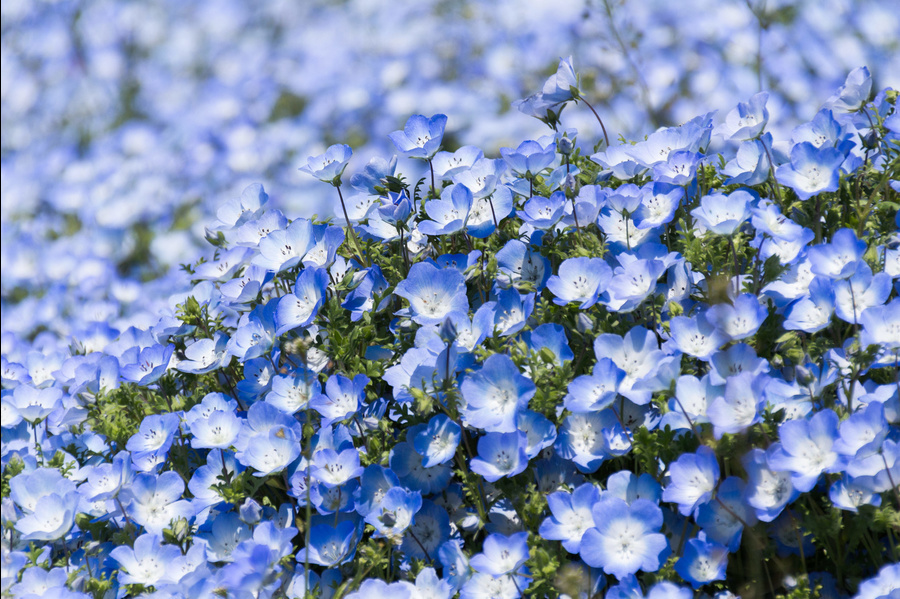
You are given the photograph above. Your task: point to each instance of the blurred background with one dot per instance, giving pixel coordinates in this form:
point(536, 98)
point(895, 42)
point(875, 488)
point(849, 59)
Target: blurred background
point(126, 124)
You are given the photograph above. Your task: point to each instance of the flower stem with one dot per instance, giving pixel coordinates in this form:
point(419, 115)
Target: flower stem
point(350, 232)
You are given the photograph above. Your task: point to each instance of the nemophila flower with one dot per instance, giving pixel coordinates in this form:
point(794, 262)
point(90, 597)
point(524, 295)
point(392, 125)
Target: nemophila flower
point(530, 157)
point(33, 404)
point(255, 333)
point(854, 93)
point(811, 170)
point(723, 520)
point(692, 478)
point(658, 204)
point(628, 487)
point(362, 298)
point(805, 449)
point(449, 213)
point(449, 164)
point(217, 431)
point(736, 359)
point(543, 213)
point(374, 175)
point(421, 137)
point(432, 293)
point(328, 238)
point(862, 290)
point(571, 516)
point(156, 433)
point(272, 452)
point(37, 582)
point(881, 326)
point(739, 319)
point(224, 267)
point(747, 120)
point(482, 177)
point(596, 391)
point(739, 407)
point(148, 563)
point(204, 355)
point(249, 206)
point(552, 338)
point(341, 399)
point(333, 468)
point(501, 554)
point(839, 258)
point(395, 512)
point(429, 530)
point(145, 365)
point(104, 481)
point(246, 287)
point(500, 455)
point(154, 501)
point(557, 90)
point(768, 490)
point(539, 432)
point(487, 212)
point(848, 494)
point(518, 262)
point(27, 488)
point(632, 284)
point(299, 309)
point(581, 439)
point(329, 167)
point(702, 562)
point(52, 518)
point(292, 393)
point(580, 280)
point(680, 168)
point(285, 248)
point(395, 208)
point(750, 165)
point(223, 535)
point(637, 353)
point(331, 500)
point(437, 443)
point(495, 395)
point(697, 336)
point(625, 538)
point(330, 546)
point(813, 313)
point(723, 215)
point(662, 143)
point(250, 234)
point(407, 464)
point(876, 471)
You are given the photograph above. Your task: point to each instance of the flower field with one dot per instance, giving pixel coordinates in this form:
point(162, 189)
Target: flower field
point(461, 324)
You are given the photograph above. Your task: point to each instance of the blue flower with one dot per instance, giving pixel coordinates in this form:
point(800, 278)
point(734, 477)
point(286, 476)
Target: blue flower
point(147, 365)
point(495, 395)
point(500, 455)
point(557, 89)
point(747, 120)
point(530, 157)
point(433, 293)
point(285, 248)
point(862, 290)
point(571, 516)
point(148, 563)
point(739, 407)
point(154, 501)
point(723, 520)
point(740, 319)
point(421, 137)
point(596, 391)
point(583, 438)
point(501, 554)
point(329, 167)
point(330, 546)
point(429, 530)
point(544, 213)
point(702, 562)
point(812, 170)
point(751, 164)
point(395, 512)
point(692, 480)
point(625, 538)
point(438, 442)
point(580, 280)
point(768, 490)
point(723, 215)
point(450, 213)
point(806, 449)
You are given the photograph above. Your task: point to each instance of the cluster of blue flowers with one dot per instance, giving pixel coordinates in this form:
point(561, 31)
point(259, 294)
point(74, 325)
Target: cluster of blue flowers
point(660, 368)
